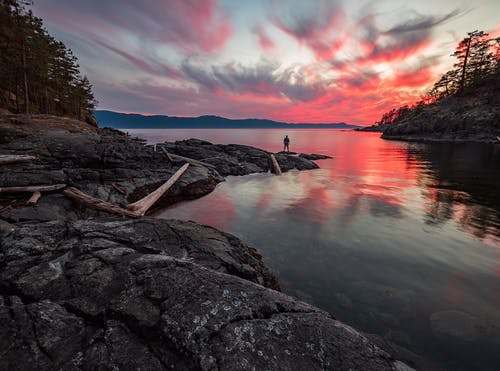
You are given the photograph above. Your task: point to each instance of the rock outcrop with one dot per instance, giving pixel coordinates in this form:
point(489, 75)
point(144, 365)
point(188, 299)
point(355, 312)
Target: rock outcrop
point(93, 162)
point(150, 294)
point(474, 117)
point(97, 160)
point(236, 159)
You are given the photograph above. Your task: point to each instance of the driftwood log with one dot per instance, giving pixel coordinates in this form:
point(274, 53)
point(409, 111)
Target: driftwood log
point(145, 203)
point(119, 189)
point(134, 210)
point(31, 189)
point(167, 155)
point(277, 169)
point(191, 161)
point(15, 159)
point(95, 203)
point(34, 198)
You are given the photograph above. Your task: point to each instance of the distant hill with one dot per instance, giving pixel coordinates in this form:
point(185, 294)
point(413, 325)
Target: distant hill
point(119, 120)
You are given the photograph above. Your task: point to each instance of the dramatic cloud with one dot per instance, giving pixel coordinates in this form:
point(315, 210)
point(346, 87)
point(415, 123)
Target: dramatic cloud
point(187, 25)
point(319, 26)
point(263, 79)
point(295, 61)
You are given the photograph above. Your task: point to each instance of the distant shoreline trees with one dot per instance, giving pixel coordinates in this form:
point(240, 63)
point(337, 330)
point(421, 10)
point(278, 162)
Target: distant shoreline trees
point(38, 74)
point(478, 63)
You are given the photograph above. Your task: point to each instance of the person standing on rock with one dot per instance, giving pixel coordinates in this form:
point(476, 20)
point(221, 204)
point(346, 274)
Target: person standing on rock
point(286, 143)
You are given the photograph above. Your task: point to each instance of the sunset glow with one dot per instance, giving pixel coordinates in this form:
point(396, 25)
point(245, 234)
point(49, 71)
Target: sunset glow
point(294, 61)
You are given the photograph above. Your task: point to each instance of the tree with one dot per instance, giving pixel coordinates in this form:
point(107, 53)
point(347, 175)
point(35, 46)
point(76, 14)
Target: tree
point(475, 59)
point(38, 70)
point(478, 63)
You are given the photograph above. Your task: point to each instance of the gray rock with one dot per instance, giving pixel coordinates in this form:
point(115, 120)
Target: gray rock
point(235, 159)
point(92, 162)
point(153, 294)
point(313, 156)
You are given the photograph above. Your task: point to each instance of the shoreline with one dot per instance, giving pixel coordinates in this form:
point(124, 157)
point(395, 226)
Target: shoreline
point(50, 249)
point(425, 139)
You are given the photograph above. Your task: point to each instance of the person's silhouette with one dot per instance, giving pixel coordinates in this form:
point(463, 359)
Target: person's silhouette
point(286, 144)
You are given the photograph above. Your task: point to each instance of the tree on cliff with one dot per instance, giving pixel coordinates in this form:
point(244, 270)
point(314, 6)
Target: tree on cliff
point(478, 63)
point(38, 73)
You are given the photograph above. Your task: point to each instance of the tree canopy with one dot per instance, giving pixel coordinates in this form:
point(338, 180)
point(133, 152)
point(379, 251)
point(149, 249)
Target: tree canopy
point(38, 74)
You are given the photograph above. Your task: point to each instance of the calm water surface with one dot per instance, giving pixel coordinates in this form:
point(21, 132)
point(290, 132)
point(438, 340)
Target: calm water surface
point(399, 239)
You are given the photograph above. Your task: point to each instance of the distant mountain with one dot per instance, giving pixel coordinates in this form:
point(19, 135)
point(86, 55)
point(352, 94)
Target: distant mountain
point(119, 120)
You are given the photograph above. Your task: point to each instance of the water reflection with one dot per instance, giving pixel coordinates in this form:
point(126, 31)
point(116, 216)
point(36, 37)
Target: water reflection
point(395, 238)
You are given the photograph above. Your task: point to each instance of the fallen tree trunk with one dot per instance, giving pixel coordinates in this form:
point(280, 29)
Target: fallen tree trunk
point(191, 161)
point(119, 189)
point(277, 169)
point(145, 203)
point(135, 210)
point(95, 203)
point(34, 198)
point(31, 189)
point(167, 155)
point(15, 159)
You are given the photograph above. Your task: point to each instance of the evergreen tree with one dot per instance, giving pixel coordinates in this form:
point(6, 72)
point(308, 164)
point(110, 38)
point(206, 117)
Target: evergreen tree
point(38, 71)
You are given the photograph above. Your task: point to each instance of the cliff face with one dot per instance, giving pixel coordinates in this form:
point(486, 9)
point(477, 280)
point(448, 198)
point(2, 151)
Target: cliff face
point(473, 117)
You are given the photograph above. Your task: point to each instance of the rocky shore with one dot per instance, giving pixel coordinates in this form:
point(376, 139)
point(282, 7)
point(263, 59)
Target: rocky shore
point(468, 118)
point(82, 290)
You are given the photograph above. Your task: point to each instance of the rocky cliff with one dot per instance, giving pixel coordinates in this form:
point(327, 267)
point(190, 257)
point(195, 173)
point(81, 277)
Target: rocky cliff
point(471, 117)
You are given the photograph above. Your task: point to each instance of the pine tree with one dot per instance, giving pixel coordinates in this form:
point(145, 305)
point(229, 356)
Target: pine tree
point(40, 72)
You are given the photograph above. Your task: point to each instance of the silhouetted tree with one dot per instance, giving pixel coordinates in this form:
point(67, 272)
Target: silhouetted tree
point(478, 63)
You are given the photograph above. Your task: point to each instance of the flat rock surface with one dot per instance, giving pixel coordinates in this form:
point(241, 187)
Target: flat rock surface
point(236, 159)
point(149, 294)
point(313, 156)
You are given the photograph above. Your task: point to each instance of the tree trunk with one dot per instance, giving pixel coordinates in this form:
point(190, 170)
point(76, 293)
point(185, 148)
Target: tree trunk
point(18, 109)
point(462, 80)
point(26, 93)
point(15, 159)
point(31, 189)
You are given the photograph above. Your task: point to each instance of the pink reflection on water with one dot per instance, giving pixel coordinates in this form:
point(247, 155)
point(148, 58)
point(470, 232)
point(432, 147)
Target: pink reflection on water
point(365, 174)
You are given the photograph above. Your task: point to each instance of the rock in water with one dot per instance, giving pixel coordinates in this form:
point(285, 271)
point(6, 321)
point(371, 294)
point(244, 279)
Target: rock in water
point(236, 159)
point(154, 294)
point(313, 156)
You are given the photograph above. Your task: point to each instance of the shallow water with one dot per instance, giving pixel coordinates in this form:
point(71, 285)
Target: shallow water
point(399, 239)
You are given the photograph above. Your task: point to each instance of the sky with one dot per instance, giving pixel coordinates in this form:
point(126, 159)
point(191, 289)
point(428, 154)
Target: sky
point(311, 61)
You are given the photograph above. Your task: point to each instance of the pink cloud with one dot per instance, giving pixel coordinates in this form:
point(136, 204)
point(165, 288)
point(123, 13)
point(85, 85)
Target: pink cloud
point(322, 29)
point(265, 41)
point(188, 26)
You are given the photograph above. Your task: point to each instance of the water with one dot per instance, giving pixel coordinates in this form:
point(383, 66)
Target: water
point(398, 239)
